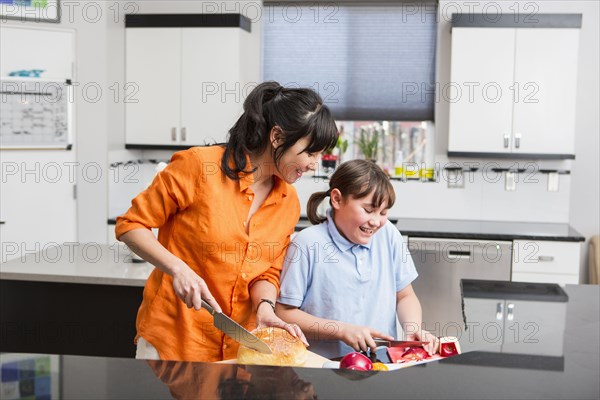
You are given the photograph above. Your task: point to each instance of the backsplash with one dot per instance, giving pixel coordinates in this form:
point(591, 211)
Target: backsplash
point(483, 195)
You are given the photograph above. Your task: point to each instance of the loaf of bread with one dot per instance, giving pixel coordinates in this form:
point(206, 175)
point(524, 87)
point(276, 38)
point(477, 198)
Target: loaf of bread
point(287, 349)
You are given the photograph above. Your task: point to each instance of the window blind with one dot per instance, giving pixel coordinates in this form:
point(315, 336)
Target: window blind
point(368, 62)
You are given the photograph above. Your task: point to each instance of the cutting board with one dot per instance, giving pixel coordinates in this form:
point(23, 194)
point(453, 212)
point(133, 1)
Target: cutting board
point(313, 360)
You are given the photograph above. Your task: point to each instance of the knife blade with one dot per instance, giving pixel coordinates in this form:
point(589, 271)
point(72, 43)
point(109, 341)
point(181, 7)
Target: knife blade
point(399, 343)
point(235, 331)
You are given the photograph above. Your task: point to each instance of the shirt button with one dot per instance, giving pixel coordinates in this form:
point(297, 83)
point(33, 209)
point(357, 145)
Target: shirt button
point(249, 197)
point(244, 224)
point(224, 346)
point(244, 275)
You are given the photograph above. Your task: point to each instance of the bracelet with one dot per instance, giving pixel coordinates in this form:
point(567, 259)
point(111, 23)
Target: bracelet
point(266, 301)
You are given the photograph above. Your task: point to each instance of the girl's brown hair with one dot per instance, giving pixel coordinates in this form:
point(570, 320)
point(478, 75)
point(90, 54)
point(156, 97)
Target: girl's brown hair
point(356, 178)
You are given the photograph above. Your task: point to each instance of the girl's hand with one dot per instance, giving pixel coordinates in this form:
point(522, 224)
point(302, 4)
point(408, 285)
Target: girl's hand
point(360, 337)
point(265, 316)
point(425, 336)
point(192, 289)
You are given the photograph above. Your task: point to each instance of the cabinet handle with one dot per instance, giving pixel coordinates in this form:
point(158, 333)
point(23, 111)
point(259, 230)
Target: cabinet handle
point(506, 141)
point(546, 258)
point(517, 140)
point(499, 311)
point(174, 134)
point(183, 134)
point(510, 312)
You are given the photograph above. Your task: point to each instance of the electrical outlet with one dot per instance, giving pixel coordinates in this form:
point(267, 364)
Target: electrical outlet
point(455, 178)
point(553, 181)
point(510, 183)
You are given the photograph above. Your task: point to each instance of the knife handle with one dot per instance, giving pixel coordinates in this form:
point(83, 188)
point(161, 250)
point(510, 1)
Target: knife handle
point(207, 307)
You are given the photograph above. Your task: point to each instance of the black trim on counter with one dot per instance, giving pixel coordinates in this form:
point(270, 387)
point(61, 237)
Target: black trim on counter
point(508, 360)
point(188, 21)
point(460, 20)
point(519, 156)
point(489, 236)
point(158, 147)
point(484, 289)
point(555, 171)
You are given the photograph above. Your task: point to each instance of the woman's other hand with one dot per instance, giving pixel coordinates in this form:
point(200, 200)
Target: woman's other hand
point(265, 316)
point(192, 289)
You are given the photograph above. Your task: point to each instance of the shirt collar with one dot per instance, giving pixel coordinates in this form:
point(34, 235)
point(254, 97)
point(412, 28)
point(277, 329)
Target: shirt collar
point(278, 192)
point(340, 241)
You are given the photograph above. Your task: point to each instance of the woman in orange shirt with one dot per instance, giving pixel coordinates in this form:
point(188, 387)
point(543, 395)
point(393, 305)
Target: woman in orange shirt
point(225, 214)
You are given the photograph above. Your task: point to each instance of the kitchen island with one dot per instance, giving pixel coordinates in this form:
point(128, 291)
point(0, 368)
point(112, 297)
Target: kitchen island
point(72, 299)
point(483, 373)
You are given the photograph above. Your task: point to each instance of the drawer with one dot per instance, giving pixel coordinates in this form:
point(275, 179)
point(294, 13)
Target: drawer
point(546, 257)
point(561, 279)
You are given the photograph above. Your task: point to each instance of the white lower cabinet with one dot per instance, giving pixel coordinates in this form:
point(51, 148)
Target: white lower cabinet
point(546, 261)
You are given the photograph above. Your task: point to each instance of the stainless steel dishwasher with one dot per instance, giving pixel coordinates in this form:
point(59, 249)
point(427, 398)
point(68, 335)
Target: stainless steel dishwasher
point(441, 264)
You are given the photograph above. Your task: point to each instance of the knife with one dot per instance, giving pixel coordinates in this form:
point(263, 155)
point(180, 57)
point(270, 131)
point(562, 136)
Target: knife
point(399, 343)
point(235, 331)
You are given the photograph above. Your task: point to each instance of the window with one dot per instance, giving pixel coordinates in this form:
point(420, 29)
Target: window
point(368, 61)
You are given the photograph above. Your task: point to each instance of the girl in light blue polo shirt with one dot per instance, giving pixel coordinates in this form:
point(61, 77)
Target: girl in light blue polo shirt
point(346, 278)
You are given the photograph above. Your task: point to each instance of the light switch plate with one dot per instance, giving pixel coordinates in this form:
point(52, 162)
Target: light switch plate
point(510, 183)
point(553, 181)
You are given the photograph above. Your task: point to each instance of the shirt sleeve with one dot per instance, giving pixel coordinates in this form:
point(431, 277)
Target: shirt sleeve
point(173, 189)
point(405, 272)
point(295, 275)
point(272, 275)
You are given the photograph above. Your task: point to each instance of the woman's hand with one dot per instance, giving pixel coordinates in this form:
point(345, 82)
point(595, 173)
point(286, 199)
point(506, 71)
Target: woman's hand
point(265, 316)
point(192, 289)
point(360, 337)
point(425, 336)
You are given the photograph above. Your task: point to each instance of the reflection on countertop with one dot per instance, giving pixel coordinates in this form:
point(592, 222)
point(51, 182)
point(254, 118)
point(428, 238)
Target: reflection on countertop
point(469, 375)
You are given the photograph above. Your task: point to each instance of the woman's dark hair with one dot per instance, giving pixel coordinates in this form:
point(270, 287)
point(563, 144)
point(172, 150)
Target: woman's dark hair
point(298, 112)
point(356, 178)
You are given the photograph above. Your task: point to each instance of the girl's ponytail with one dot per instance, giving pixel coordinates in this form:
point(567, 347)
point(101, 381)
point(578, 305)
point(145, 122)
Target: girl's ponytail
point(313, 205)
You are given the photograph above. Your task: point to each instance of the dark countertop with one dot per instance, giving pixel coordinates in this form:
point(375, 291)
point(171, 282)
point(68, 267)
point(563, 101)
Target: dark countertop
point(484, 373)
point(482, 230)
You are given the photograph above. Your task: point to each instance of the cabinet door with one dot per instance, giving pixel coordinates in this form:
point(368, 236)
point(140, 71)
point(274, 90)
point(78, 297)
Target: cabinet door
point(534, 327)
point(484, 319)
point(479, 92)
point(545, 90)
point(153, 73)
point(37, 204)
point(213, 91)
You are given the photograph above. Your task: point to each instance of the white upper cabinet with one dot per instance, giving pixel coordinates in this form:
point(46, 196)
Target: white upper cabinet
point(546, 72)
point(153, 85)
point(480, 115)
point(186, 78)
point(513, 88)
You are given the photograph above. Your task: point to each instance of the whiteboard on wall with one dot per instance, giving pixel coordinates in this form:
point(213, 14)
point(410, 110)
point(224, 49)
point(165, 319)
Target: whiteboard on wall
point(35, 113)
point(25, 48)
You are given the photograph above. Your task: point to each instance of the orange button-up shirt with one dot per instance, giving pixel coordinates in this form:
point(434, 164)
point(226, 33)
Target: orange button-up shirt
point(201, 215)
